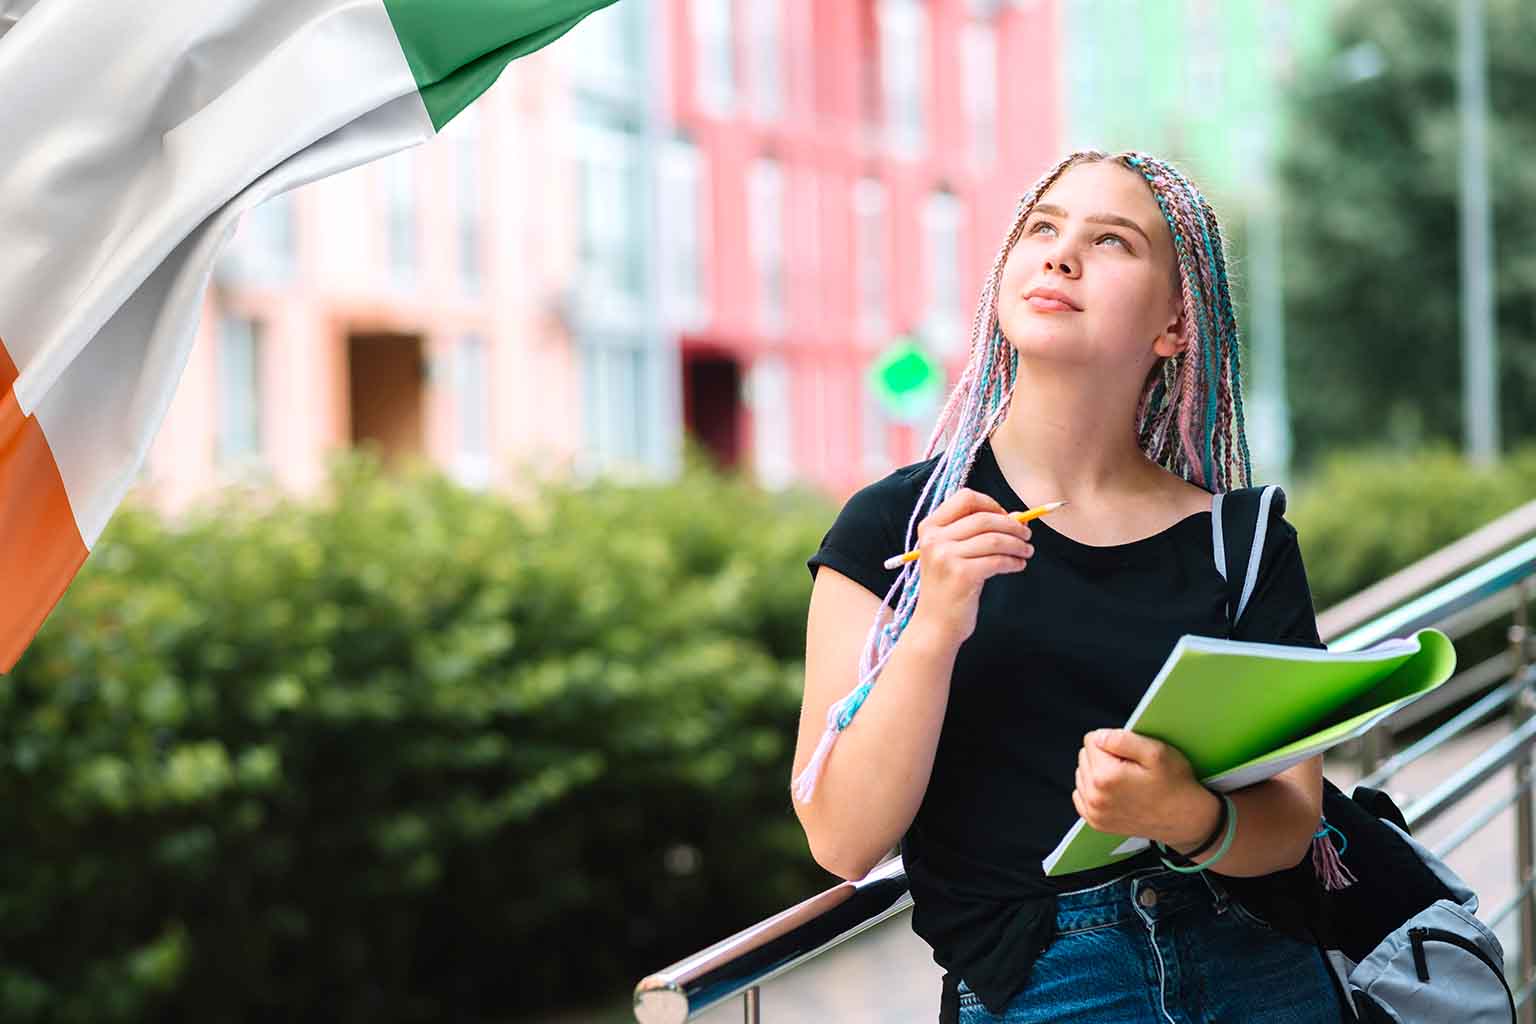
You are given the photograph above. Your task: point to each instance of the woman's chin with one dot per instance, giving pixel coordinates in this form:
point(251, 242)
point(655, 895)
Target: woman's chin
point(1038, 340)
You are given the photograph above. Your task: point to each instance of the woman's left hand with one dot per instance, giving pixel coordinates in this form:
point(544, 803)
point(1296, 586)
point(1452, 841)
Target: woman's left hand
point(1129, 785)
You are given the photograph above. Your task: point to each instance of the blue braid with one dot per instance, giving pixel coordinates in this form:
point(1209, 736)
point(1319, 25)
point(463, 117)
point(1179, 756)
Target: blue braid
point(1237, 370)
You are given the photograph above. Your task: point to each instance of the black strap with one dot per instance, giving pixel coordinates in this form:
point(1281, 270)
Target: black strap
point(1239, 523)
point(949, 1000)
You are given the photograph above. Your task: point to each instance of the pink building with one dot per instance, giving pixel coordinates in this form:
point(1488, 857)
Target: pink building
point(863, 160)
point(414, 303)
point(701, 216)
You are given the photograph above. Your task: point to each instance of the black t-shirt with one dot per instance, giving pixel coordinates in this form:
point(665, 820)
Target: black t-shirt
point(1066, 646)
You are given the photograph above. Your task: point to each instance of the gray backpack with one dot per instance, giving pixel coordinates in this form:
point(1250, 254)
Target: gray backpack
point(1402, 940)
point(1441, 964)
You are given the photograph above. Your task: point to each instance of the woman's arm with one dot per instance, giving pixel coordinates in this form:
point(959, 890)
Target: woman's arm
point(871, 786)
point(870, 789)
point(1130, 785)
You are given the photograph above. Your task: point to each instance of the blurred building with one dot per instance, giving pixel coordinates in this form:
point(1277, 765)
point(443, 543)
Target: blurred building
point(848, 170)
point(423, 304)
point(1201, 83)
point(700, 217)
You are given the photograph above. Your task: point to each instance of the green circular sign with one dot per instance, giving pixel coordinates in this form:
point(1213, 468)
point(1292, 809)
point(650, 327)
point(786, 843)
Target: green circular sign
point(907, 381)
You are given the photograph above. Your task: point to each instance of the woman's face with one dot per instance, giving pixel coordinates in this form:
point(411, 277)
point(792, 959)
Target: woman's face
point(1097, 239)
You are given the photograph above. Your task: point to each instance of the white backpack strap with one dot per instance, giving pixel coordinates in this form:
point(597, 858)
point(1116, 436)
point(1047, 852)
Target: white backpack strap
point(1257, 551)
point(1217, 543)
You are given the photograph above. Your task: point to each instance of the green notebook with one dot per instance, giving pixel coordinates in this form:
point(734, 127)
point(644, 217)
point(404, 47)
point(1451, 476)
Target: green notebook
point(1243, 712)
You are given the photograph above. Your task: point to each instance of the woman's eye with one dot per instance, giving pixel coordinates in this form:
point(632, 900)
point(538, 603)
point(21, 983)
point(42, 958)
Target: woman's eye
point(1115, 238)
point(1041, 225)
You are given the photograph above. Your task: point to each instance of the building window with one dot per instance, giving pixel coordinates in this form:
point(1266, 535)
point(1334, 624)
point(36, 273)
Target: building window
point(871, 100)
point(611, 190)
point(829, 393)
point(400, 198)
point(811, 286)
point(605, 47)
point(618, 410)
point(765, 200)
point(683, 227)
point(714, 56)
point(239, 391)
point(945, 315)
point(772, 437)
point(472, 388)
point(904, 72)
point(466, 144)
point(978, 45)
point(870, 255)
point(877, 453)
point(766, 32)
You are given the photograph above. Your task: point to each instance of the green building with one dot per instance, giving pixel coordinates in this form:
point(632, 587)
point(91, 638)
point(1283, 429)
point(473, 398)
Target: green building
point(1200, 83)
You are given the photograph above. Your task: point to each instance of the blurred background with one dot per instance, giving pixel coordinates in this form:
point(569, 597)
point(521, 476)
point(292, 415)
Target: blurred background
point(446, 664)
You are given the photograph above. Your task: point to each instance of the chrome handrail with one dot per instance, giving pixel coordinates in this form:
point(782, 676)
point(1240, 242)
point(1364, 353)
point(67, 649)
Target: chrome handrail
point(751, 957)
point(1396, 590)
point(1482, 570)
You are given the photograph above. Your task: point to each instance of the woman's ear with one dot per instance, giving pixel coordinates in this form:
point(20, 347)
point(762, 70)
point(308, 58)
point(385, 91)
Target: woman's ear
point(1172, 341)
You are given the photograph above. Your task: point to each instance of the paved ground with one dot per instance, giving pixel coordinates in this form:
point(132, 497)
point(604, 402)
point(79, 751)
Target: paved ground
point(887, 974)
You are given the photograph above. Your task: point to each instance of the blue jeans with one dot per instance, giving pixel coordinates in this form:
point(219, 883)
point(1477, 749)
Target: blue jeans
point(1157, 947)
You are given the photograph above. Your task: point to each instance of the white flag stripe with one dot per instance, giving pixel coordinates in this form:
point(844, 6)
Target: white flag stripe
point(158, 141)
point(96, 456)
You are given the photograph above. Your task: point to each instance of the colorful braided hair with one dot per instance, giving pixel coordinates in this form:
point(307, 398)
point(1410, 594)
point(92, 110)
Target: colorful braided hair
point(1189, 416)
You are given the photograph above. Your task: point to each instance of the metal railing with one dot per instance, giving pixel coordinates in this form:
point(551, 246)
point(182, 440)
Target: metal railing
point(1485, 576)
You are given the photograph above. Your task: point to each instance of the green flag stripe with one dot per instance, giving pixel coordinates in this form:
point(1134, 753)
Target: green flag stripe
point(457, 48)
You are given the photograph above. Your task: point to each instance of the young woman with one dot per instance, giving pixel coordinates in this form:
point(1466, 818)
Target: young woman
point(1103, 371)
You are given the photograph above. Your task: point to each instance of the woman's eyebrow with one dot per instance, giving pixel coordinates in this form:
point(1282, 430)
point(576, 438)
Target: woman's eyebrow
point(1096, 218)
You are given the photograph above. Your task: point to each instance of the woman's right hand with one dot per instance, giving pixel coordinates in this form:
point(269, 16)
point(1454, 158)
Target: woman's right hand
point(967, 540)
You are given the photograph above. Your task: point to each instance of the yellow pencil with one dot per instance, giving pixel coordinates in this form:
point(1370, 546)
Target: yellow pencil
point(897, 561)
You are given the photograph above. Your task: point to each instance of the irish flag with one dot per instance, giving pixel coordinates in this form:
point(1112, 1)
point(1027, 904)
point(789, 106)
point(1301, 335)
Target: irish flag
point(132, 138)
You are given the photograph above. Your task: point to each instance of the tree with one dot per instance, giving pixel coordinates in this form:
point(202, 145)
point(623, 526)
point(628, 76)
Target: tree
point(1372, 264)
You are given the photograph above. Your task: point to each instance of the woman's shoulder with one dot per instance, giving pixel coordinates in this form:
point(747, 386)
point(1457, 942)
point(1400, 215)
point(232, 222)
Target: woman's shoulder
point(1266, 499)
point(1241, 508)
point(1190, 497)
point(872, 526)
point(899, 488)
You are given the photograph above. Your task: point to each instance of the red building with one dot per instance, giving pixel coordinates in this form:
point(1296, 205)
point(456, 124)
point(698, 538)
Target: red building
point(855, 166)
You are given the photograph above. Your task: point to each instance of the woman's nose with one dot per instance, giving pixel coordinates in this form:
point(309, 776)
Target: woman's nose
point(1063, 264)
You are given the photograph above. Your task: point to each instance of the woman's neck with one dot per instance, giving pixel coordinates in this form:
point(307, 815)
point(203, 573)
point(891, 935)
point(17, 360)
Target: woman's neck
point(1070, 435)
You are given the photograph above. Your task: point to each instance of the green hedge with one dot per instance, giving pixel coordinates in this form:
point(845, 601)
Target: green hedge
point(1366, 514)
point(411, 753)
point(407, 754)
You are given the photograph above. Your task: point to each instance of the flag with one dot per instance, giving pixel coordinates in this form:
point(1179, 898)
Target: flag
point(134, 138)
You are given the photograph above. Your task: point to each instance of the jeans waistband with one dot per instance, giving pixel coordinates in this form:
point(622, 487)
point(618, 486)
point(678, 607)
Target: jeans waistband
point(1144, 895)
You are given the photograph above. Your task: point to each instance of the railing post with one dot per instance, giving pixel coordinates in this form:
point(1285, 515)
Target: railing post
point(1525, 812)
point(751, 1006)
point(1375, 747)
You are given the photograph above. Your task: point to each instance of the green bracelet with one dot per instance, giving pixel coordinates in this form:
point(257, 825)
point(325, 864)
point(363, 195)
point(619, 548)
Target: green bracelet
point(1226, 843)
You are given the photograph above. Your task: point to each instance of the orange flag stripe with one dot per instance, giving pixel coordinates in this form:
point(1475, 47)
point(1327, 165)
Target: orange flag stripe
point(40, 545)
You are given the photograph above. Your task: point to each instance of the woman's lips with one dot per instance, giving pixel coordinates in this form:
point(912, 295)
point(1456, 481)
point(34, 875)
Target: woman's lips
point(1046, 305)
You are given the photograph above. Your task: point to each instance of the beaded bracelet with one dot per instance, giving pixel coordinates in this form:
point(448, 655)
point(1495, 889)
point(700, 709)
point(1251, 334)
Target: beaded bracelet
point(1230, 809)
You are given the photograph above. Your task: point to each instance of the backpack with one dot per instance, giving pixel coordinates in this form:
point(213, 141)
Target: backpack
point(1401, 940)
